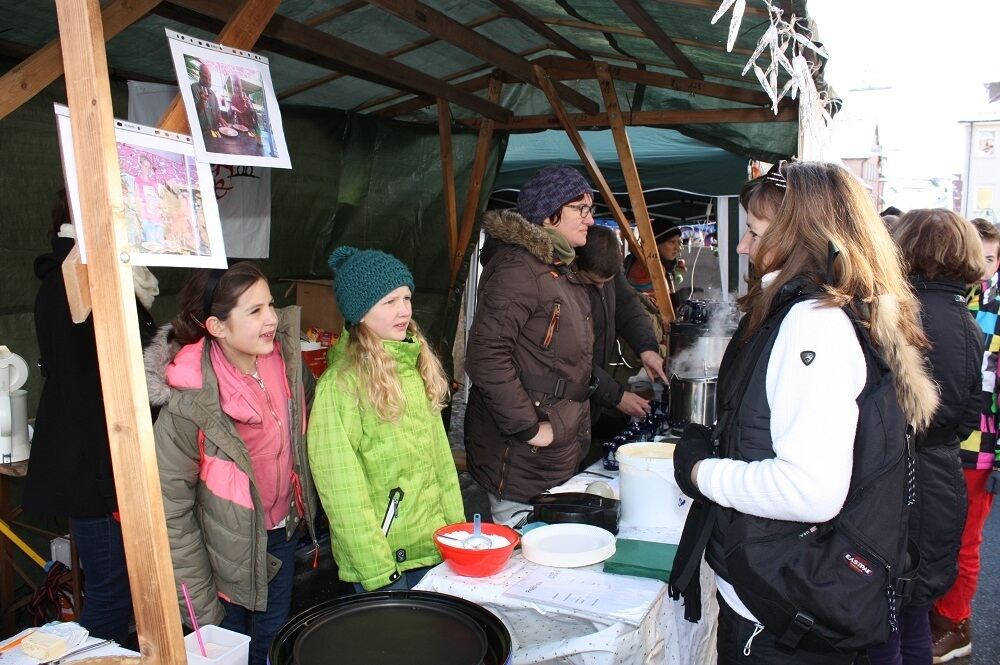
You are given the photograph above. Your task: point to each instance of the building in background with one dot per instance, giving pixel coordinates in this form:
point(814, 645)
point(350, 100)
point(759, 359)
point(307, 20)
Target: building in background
point(857, 143)
point(981, 170)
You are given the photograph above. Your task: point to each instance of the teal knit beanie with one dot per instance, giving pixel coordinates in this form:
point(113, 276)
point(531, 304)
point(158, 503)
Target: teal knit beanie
point(362, 277)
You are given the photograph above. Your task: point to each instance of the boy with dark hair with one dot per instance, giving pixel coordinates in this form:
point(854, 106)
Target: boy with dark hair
point(951, 617)
point(615, 307)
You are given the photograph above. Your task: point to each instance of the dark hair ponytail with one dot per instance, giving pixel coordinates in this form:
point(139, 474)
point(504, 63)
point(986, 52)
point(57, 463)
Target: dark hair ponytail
point(220, 289)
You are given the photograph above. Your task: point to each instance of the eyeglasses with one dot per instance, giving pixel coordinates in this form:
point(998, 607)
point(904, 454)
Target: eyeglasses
point(584, 209)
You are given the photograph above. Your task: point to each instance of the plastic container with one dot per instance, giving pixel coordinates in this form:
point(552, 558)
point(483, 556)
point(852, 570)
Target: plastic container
point(224, 647)
point(650, 497)
point(476, 563)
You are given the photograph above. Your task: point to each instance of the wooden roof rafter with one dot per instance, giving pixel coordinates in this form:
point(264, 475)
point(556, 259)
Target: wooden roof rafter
point(336, 12)
point(711, 6)
point(401, 50)
point(531, 22)
point(635, 32)
point(420, 101)
point(296, 40)
point(564, 69)
point(655, 32)
point(660, 118)
point(449, 30)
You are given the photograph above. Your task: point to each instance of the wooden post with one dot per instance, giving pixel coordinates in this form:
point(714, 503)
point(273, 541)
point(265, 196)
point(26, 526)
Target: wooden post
point(483, 142)
point(448, 175)
point(588, 160)
point(631, 173)
point(77, 282)
point(119, 351)
point(241, 32)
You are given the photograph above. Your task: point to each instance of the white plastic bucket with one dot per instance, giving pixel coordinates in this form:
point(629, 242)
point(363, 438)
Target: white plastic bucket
point(650, 497)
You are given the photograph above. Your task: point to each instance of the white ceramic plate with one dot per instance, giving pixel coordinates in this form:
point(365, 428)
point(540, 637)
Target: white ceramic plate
point(567, 545)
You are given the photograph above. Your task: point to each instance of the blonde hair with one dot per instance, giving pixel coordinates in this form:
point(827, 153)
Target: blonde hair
point(377, 372)
point(938, 244)
point(823, 203)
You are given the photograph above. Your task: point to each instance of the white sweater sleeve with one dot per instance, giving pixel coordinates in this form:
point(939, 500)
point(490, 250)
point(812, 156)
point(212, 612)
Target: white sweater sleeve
point(814, 418)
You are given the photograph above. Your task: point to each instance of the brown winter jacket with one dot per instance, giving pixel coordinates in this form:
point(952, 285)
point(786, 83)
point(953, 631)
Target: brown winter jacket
point(532, 328)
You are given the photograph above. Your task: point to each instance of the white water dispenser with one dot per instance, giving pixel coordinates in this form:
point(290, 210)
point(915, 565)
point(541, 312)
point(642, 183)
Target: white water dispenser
point(14, 445)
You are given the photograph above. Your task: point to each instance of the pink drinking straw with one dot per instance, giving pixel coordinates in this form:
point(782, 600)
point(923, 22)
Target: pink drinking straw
point(194, 620)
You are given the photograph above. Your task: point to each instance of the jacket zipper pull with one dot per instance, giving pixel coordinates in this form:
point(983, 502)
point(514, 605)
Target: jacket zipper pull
point(391, 509)
point(757, 630)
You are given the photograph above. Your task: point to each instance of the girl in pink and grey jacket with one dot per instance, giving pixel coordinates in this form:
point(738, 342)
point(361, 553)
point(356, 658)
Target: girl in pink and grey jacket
point(230, 443)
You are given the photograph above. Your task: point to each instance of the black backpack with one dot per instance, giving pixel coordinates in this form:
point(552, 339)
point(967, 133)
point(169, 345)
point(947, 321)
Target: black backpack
point(836, 585)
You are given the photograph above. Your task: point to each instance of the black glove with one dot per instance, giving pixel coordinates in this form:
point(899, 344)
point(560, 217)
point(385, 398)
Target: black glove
point(694, 446)
point(993, 482)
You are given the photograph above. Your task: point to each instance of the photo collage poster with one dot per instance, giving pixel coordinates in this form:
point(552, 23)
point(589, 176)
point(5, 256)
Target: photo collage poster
point(171, 215)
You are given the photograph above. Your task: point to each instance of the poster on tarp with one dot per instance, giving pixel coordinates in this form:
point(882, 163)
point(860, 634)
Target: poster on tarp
point(230, 103)
point(171, 215)
point(243, 193)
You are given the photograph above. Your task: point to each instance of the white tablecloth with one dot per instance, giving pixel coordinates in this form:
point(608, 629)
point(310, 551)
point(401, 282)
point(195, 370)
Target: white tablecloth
point(548, 635)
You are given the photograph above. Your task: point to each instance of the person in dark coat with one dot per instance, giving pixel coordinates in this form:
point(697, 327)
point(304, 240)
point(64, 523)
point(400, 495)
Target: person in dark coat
point(69, 473)
point(527, 423)
point(615, 308)
point(944, 254)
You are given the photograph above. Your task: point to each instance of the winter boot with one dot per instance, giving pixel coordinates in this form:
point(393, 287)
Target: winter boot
point(954, 643)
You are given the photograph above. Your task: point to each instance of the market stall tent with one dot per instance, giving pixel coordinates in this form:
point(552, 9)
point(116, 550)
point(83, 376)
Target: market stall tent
point(447, 65)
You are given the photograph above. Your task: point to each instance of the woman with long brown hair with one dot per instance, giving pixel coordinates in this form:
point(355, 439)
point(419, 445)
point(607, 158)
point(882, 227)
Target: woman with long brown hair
point(801, 487)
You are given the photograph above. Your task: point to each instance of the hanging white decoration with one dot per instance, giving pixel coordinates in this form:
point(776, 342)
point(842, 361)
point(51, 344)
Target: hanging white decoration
point(786, 41)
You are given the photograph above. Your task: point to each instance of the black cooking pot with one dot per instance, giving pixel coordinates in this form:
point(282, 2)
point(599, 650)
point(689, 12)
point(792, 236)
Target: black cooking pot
point(576, 508)
point(393, 628)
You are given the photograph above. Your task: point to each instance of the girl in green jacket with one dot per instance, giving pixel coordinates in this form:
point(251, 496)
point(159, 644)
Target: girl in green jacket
point(377, 445)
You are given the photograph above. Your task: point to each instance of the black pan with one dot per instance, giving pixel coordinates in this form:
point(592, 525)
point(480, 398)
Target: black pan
point(390, 627)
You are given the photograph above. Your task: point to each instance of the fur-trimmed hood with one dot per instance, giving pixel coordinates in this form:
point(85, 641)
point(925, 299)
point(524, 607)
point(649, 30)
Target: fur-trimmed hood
point(916, 390)
point(156, 357)
point(508, 226)
point(163, 350)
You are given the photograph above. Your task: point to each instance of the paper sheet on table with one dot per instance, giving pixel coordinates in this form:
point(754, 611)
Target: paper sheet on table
point(618, 597)
point(17, 657)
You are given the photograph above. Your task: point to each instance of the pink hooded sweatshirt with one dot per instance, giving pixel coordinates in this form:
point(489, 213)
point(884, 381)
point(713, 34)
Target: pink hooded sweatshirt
point(260, 412)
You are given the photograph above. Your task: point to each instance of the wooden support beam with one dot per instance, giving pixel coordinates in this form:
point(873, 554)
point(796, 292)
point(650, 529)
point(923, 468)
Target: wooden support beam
point(330, 14)
point(471, 208)
point(569, 69)
point(650, 253)
point(787, 112)
point(413, 104)
point(588, 160)
point(531, 21)
point(711, 6)
point(655, 32)
point(77, 283)
point(405, 48)
point(26, 79)
point(448, 175)
point(119, 350)
point(451, 31)
point(633, 32)
point(241, 32)
point(296, 40)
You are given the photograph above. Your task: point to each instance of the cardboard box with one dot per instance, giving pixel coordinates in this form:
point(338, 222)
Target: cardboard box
point(319, 308)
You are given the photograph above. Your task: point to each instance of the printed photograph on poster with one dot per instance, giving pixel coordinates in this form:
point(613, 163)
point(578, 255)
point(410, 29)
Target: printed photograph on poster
point(985, 143)
point(171, 215)
point(230, 103)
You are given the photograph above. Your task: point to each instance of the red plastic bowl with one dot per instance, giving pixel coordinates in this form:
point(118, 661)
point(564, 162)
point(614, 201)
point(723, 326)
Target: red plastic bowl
point(476, 563)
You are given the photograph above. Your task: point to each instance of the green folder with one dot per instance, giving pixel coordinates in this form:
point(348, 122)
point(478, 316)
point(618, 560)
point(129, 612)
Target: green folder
point(642, 558)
